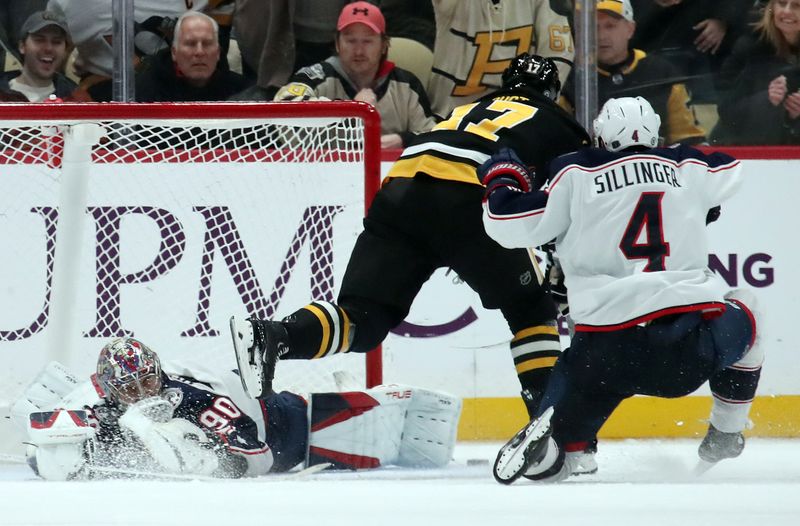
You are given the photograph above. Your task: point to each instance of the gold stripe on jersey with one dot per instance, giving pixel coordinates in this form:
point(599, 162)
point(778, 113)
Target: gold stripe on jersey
point(435, 167)
point(325, 341)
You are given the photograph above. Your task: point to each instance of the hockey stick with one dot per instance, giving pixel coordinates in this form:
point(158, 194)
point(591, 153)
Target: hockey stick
point(12, 459)
point(536, 269)
point(135, 473)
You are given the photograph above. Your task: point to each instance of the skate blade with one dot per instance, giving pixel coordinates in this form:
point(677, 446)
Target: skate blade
point(513, 460)
point(243, 361)
point(702, 467)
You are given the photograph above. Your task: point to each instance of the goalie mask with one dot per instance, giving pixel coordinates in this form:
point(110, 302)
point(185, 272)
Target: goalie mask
point(128, 371)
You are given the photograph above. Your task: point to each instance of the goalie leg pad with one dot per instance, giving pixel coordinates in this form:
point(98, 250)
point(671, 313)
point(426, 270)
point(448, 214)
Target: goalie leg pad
point(393, 424)
point(429, 433)
point(354, 430)
point(52, 384)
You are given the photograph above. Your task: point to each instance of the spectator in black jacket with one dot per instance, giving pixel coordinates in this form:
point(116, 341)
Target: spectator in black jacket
point(624, 71)
point(694, 35)
point(43, 46)
point(190, 70)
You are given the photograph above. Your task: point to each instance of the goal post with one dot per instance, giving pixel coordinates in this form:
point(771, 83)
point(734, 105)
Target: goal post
point(160, 221)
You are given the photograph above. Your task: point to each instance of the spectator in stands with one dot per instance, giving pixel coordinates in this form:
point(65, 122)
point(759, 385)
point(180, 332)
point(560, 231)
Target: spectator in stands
point(693, 35)
point(627, 72)
point(360, 71)
point(14, 13)
point(278, 37)
point(412, 19)
point(760, 81)
point(44, 44)
point(190, 70)
point(476, 40)
point(90, 22)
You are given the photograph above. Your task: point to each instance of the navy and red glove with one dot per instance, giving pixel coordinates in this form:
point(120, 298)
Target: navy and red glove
point(505, 169)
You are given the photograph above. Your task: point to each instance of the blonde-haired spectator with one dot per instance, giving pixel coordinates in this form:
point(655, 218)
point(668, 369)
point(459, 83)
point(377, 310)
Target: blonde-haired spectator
point(760, 101)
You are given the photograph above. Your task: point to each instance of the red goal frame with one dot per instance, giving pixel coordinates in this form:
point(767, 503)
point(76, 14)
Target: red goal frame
point(68, 111)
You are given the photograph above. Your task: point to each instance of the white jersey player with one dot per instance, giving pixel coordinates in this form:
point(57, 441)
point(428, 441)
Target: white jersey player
point(477, 39)
point(134, 419)
point(629, 224)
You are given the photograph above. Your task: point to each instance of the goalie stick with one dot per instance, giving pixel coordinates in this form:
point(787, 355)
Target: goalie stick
point(135, 473)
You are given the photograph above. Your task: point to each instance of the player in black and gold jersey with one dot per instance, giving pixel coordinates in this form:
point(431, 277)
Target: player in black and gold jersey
point(428, 215)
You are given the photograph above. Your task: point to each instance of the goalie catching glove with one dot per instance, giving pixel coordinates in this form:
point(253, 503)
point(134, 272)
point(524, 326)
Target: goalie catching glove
point(175, 444)
point(505, 169)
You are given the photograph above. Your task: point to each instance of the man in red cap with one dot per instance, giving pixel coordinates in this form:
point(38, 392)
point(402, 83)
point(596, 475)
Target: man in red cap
point(360, 71)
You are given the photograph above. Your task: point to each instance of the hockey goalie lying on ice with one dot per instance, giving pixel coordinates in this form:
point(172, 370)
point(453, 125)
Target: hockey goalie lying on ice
point(133, 419)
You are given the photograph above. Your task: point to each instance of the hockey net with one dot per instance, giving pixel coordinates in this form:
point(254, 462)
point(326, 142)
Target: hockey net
point(161, 221)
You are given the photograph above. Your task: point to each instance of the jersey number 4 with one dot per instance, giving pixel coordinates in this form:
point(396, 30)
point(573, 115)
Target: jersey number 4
point(646, 219)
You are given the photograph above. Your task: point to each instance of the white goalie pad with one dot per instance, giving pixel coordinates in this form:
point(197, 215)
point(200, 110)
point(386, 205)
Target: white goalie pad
point(429, 433)
point(57, 440)
point(43, 394)
point(391, 424)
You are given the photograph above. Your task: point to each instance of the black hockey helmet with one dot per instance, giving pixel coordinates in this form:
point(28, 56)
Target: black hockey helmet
point(535, 72)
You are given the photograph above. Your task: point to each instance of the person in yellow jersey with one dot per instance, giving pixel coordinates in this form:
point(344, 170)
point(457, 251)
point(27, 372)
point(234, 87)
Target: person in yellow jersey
point(428, 215)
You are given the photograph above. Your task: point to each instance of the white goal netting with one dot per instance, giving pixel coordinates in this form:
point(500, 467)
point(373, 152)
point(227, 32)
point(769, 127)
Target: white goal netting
point(162, 221)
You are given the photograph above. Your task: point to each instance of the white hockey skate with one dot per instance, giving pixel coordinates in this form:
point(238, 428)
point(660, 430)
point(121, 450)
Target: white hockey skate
point(528, 447)
point(258, 345)
point(718, 445)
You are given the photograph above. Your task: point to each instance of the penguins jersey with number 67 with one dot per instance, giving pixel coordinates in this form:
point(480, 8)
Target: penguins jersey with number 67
point(521, 119)
point(629, 229)
point(477, 39)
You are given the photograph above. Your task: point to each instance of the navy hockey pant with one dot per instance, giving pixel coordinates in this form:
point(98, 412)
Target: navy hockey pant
point(670, 357)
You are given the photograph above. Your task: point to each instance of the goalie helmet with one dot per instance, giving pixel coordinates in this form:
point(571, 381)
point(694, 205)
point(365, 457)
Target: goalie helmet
point(626, 122)
point(535, 72)
point(128, 371)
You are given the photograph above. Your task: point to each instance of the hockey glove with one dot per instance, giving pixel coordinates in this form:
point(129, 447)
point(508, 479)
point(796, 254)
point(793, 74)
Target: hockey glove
point(177, 445)
point(504, 168)
point(558, 289)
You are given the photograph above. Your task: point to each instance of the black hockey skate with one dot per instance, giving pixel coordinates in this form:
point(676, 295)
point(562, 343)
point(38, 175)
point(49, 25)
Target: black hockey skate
point(525, 450)
point(718, 445)
point(258, 345)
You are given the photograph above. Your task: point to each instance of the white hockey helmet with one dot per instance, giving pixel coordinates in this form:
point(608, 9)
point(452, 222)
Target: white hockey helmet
point(626, 122)
point(128, 371)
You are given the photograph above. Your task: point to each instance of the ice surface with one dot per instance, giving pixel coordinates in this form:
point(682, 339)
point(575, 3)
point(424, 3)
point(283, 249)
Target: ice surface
point(642, 482)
